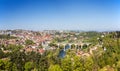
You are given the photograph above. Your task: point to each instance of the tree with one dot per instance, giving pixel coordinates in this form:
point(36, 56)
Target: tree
point(14, 67)
point(88, 64)
point(43, 63)
point(19, 59)
point(1, 54)
point(118, 65)
point(78, 66)
point(14, 47)
point(107, 68)
point(7, 65)
point(29, 42)
point(1, 65)
point(28, 66)
point(66, 64)
point(54, 68)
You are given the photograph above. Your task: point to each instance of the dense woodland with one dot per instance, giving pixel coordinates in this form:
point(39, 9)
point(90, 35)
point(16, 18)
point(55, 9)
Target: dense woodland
point(101, 60)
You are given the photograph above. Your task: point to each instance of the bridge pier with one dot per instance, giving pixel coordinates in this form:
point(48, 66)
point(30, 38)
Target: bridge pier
point(70, 45)
point(64, 46)
point(76, 46)
point(58, 46)
point(82, 46)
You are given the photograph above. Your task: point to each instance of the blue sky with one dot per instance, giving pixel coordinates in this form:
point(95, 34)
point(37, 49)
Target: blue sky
point(99, 15)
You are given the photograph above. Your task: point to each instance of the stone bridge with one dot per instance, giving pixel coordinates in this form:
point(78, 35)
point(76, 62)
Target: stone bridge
point(76, 45)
